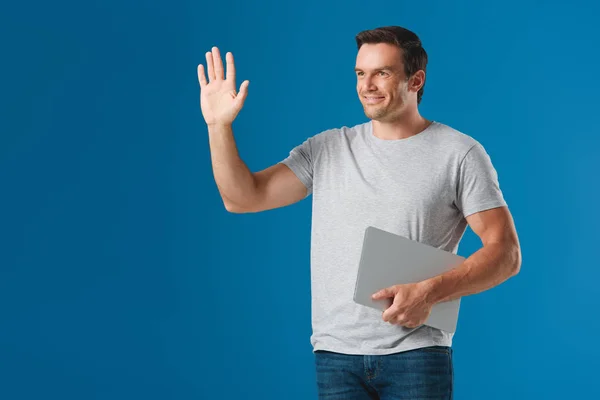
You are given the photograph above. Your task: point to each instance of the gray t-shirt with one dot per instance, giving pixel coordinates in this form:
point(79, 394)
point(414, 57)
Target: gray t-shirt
point(421, 187)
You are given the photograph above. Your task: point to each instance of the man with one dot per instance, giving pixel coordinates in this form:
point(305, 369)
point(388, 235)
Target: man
point(399, 172)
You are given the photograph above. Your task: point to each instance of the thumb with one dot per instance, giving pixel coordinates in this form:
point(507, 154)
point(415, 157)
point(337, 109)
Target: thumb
point(241, 97)
point(383, 293)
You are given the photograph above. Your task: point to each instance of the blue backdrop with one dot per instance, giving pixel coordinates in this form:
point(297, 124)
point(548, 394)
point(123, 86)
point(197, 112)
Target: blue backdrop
point(123, 276)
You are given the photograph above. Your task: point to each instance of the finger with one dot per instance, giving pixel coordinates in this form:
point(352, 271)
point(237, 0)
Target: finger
point(401, 320)
point(379, 295)
point(395, 315)
point(218, 63)
point(241, 96)
point(230, 67)
point(385, 292)
point(209, 66)
point(389, 315)
point(201, 76)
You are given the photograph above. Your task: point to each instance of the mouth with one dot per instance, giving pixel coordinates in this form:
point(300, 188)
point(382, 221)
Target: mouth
point(373, 99)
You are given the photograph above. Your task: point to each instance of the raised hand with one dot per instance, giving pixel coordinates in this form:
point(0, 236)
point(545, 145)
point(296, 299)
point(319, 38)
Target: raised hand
point(219, 101)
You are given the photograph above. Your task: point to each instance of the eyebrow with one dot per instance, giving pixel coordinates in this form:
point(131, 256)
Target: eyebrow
point(388, 67)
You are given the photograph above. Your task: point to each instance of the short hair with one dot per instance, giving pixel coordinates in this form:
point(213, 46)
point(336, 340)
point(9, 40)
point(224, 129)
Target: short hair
point(414, 56)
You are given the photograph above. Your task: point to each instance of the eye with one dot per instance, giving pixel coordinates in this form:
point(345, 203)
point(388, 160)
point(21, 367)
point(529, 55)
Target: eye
point(382, 72)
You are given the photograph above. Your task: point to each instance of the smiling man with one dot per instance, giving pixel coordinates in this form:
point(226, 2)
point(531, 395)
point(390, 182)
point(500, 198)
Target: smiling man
point(399, 172)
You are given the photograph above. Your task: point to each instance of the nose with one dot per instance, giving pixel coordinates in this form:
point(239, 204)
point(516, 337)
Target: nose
point(369, 85)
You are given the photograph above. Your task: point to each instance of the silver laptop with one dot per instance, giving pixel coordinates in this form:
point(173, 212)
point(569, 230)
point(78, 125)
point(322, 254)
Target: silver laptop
point(388, 259)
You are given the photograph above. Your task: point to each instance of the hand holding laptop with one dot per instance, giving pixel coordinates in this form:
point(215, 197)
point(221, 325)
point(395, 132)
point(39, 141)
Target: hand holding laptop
point(400, 265)
point(408, 304)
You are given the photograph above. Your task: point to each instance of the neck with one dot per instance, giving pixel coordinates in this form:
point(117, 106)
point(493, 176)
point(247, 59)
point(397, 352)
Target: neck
point(402, 128)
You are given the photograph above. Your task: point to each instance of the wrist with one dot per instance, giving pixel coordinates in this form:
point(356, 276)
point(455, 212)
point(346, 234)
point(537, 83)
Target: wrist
point(218, 125)
point(219, 130)
point(429, 288)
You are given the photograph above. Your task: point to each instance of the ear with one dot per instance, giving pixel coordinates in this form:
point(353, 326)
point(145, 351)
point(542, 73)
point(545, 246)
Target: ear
point(416, 81)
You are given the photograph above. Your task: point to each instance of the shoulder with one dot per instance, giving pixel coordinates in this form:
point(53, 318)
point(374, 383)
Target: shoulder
point(450, 136)
point(451, 141)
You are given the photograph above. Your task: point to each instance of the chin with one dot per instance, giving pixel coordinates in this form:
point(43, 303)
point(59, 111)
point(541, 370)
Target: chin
point(375, 116)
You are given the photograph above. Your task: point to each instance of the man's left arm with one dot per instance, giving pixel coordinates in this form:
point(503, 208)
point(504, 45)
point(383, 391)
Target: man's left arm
point(498, 259)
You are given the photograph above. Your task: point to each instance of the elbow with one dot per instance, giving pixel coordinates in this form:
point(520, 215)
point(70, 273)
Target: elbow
point(516, 269)
point(247, 206)
point(234, 209)
point(516, 260)
point(231, 208)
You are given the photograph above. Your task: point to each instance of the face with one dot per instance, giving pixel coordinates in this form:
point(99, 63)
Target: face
point(381, 83)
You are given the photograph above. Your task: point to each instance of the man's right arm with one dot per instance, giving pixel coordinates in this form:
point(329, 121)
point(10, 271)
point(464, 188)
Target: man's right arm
point(243, 191)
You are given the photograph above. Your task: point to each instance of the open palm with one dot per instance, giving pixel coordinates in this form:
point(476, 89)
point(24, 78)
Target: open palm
point(219, 101)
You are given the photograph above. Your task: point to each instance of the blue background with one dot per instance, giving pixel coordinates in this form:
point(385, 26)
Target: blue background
point(123, 276)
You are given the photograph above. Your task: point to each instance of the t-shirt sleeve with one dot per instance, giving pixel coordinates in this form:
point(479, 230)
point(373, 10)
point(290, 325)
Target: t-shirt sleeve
point(478, 188)
point(301, 162)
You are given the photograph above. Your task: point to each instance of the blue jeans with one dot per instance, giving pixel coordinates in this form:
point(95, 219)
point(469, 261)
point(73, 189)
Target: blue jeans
point(425, 373)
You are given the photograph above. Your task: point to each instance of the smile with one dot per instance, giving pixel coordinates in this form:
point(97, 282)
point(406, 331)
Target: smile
point(373, 100)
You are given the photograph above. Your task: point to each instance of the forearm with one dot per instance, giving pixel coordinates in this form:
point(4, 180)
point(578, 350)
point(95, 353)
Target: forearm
point(491, 265)
point(232, 176)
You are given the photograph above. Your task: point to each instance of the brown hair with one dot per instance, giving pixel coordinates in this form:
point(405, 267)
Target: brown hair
point(414, 56)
